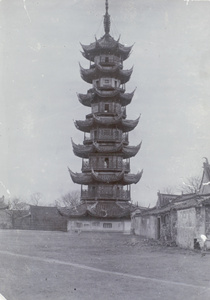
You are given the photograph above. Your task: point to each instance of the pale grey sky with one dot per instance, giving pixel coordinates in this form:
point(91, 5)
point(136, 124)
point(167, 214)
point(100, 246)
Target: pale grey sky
point(40, 51)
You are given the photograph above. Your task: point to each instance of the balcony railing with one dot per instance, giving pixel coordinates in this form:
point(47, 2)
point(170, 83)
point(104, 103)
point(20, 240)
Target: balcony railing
point(110, 93)
point(111, 136)
point(101, 166)
point(99, 195)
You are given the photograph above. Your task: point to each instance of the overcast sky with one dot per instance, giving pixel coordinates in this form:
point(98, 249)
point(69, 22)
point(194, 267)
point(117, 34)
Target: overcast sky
point(40, 51)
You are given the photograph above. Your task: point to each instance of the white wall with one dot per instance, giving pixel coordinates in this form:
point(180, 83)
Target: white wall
point(99, 225)
point(186, 227)
point(145, 226)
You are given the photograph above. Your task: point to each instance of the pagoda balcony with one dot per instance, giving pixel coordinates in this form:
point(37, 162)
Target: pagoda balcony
point(114, 112)
point(98, 137)
point(107, 64)
point(106, 59)
point(109, 89)
point(100, 195)
point(109, 93)
point(86, 167)
point(111, 65)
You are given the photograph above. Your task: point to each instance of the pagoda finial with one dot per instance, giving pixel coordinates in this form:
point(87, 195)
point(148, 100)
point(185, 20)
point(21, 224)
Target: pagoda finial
point(107, 19)
point(107, 6)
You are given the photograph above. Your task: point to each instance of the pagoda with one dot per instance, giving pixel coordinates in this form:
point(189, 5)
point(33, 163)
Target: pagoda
point(105, 176)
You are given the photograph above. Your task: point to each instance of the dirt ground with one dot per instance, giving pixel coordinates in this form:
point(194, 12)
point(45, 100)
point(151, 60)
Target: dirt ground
point(91, 266)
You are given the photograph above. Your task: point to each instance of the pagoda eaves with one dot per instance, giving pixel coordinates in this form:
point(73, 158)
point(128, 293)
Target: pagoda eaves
point(91, 96)
point(106, 45)
point(88, 124)
point(107, 178)
point(84, 151)
point(96, 72)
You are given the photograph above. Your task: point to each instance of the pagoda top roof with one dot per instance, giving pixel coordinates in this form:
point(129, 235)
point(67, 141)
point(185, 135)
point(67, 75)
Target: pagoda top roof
point(106, 44)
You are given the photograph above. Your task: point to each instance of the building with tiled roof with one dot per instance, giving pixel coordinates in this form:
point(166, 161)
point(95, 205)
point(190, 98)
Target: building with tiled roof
point(179, 219)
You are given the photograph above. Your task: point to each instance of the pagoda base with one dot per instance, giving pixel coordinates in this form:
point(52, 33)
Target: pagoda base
point(90, 224)
point(100, 216)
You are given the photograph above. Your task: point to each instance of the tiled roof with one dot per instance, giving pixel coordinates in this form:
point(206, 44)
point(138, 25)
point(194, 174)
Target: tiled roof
point(98, 210)
point(181, 202)
point(107, 43)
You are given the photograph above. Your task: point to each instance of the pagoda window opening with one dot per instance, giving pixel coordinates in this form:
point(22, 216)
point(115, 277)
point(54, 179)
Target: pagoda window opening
point(106, 108)
point(79, 224)
point(123, 86)
point(126, 164)
point(86, 136)
point(107, 225)
point(85, 164)
point(125, 137)
point(123, 110)
point(107, 59)
point(95, 135)
point(106, 163)
point(106, 82)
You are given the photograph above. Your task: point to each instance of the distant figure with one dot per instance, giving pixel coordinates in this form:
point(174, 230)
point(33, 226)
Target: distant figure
point(204, 246)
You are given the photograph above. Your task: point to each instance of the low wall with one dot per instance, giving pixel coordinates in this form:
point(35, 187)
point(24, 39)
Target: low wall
point(99, 225)
point(145, 226)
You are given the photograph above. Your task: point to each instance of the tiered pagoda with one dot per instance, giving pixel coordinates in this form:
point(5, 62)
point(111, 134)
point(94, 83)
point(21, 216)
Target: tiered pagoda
point(105, 178)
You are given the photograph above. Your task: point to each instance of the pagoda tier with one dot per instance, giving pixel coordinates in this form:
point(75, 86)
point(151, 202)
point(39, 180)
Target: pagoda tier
point(96, 71)
point(96, 177)
point(106, 192)
point(106, 45)
point(116, 95)
point(88, 124)
point(84, 151)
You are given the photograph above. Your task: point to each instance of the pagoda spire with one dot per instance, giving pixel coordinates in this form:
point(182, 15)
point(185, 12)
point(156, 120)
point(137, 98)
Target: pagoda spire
point(107, 19)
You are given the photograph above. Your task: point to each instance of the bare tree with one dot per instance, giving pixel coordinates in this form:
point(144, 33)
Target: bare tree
point(16, 209)
point(191, 185)
point(35, 198)
point(68, 200)
point(17, 204)
point(188, 186)
point(168, 190)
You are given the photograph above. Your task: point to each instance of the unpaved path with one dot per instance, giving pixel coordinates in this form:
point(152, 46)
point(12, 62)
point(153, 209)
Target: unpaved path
point(58, 266)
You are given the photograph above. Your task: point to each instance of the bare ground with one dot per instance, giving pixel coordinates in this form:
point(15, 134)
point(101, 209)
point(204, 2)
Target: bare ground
point(91, 266)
